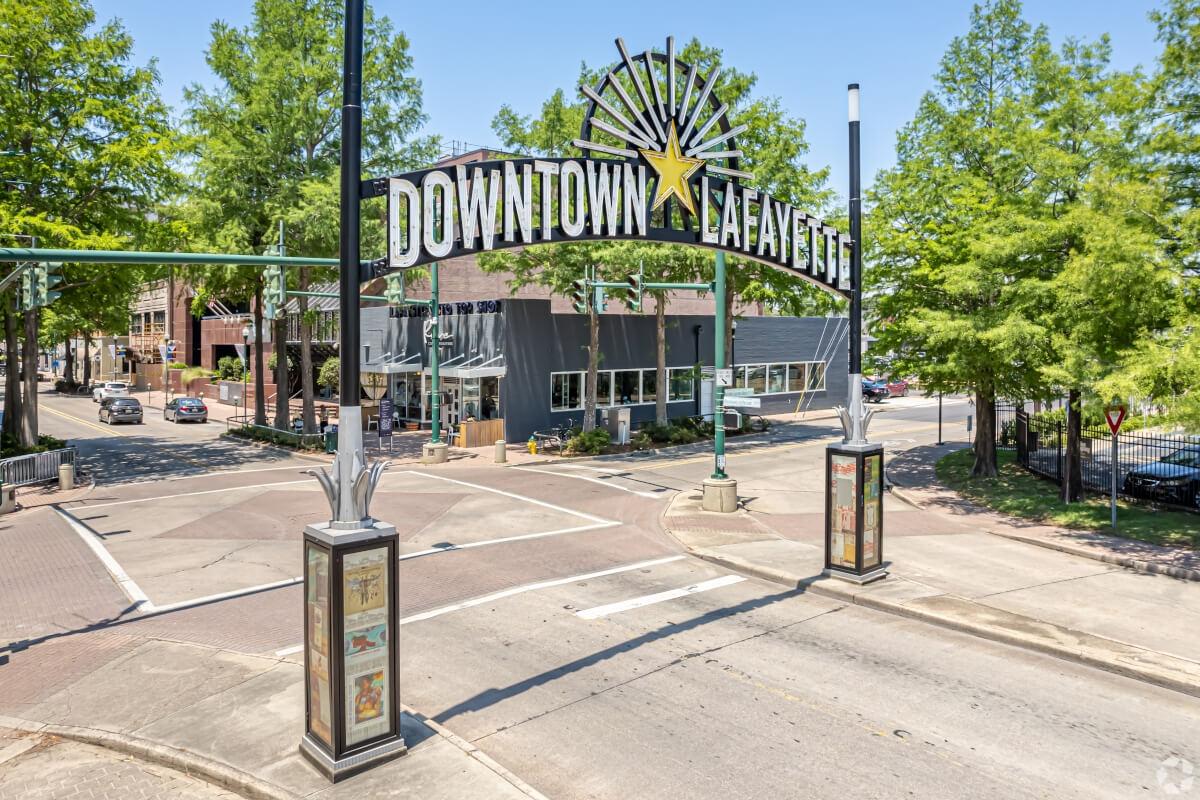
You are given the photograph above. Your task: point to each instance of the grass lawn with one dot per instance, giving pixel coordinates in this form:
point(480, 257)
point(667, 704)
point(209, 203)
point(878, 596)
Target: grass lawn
point(1021, 494)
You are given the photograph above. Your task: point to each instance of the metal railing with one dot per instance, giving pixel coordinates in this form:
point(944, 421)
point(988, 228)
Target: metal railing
point(1148, 465)
point(35, 467)
point(310, 441)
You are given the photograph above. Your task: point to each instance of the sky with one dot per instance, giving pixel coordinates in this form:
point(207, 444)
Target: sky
point(472, 57)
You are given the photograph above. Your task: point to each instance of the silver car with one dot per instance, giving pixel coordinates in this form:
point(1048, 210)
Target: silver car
point(110, 389)
point(186, 409)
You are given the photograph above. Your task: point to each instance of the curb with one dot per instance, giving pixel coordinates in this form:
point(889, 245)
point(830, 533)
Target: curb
point(210, 770)
point(1083, 651)
point(475, 753)
point(274, 449)
point(1128, 562)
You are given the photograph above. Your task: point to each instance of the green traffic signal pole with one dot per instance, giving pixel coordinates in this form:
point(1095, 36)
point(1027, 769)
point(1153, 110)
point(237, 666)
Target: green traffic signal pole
point(718, 365)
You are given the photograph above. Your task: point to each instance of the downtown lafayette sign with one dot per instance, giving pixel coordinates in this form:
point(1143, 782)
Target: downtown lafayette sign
point(671, 174)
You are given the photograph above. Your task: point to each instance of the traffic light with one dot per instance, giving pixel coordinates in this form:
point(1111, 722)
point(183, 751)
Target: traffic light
point(633, 294)
point(274, 291)
point(48, 276)
point(599, 301)
point(579, 296)
point(393, 290)
point(28, 288)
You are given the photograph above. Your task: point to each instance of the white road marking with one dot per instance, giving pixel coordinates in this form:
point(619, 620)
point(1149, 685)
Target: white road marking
point(542, 503)
point(610, 484)
point(127, 584)
point(522, 537)
point(532, 587)
point(314, 484)
point(660, 597)
point(289, 651)
point(262, 587)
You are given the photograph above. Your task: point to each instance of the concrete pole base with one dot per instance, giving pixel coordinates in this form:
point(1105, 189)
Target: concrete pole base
point(501, 451)
point(720, 495)
point(8, 499)
point(66, 477)
point(434, 453)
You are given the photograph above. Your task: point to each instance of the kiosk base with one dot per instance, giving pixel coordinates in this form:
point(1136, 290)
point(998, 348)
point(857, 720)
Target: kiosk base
point(869, 577)
point(350, 765)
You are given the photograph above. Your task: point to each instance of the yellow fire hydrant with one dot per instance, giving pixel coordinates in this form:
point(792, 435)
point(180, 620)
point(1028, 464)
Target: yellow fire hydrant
point(532, 446)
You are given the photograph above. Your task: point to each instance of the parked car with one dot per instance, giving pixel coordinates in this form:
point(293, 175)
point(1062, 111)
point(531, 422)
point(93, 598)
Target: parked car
point(875, 391)
point(110, 389)
point(186, 409)
point(120, 409)
point(1174, 478)
point(898, 387)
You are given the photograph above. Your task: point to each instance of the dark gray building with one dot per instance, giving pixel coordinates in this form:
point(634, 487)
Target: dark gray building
point(513, 359)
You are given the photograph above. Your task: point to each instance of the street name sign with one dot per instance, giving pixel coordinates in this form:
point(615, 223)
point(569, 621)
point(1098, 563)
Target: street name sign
point(739, 401)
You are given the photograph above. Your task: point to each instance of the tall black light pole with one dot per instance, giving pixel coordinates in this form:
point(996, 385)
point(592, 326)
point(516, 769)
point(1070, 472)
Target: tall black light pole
point(349, 413)
point(857, 434)
point(351, 657)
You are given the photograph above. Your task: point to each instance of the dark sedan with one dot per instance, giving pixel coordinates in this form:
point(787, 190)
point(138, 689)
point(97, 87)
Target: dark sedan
point(186, 409)
point(1174, 478)
point(120, 409)
point(875, 391)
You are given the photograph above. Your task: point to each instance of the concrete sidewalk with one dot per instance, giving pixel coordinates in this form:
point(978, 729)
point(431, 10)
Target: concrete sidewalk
point(948, 569)
point(234, 721)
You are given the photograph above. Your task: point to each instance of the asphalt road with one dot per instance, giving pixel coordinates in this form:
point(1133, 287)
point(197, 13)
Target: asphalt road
point(547, 619)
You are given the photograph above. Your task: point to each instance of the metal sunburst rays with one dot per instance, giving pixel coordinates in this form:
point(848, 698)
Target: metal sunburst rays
point(646, 97)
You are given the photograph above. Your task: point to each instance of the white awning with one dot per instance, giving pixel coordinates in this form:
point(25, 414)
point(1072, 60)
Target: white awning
point(456, 367)
point(391, 366)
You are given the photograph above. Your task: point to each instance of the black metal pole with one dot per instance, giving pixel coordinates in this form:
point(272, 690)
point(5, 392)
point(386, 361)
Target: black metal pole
point(351, 167)
point(939, 419)
point(855, 355)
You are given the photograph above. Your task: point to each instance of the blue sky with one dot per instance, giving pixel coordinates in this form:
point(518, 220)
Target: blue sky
point(473, 56)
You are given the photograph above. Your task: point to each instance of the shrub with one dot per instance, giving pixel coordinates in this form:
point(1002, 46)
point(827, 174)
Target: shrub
point(330, 374)
point(177, 365)
point(641, 441)
point(229, 368)
point(9, 446)
point(593, 442)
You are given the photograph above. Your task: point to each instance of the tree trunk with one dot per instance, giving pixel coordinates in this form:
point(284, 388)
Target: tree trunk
point(282, 387)
point(1072, 485)
point(28, 435)
point(306, 364)
point(12, 380)
point(260, 400)
point(985, 433)
point(87, 359)
point(589, 394)
point(69, 364)
point(660, 364)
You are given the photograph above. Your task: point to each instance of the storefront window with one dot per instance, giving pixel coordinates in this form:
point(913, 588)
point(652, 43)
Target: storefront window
point(566, 391)
point(489, 398)
point(626, 383)
point(816, 376)
point(756, 378)
point(470, 398)
point(796, 377)
point(777, 378)
point(604, 388)
point(649, 386)
point(739, 377)
point(681, 384)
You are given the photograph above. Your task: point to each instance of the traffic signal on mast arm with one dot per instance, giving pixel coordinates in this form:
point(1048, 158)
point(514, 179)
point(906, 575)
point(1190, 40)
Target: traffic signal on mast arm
point(274, 291)
point(579, 296)
point(48, 276)
point(393, 290)
point(633, 294)
point(28, 288)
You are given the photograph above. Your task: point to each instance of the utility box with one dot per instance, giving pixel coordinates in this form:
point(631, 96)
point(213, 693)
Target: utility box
point(854, 512)
point(616, 422)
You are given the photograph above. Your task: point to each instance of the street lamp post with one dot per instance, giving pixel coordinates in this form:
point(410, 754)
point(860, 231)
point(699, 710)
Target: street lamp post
point(351, 657)
point(854, 467)
point(247, 332)
point(719, 490)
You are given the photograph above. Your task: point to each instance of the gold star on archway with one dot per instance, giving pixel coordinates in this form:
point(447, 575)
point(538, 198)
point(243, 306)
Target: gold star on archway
point(674, 169)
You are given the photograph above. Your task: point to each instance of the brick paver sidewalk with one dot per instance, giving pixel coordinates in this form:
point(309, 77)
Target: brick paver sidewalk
point(40, 767)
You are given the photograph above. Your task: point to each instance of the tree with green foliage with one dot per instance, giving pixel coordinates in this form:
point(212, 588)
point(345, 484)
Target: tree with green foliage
point(92, 148)
point(267, 142)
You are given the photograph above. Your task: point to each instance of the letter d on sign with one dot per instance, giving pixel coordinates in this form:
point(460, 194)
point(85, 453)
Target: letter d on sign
point(404, 249)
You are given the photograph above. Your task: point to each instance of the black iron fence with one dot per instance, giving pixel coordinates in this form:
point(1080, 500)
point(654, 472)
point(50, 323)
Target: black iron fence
point(1162, 468)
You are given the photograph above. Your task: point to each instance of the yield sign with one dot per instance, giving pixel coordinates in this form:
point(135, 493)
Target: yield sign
point(1115, 415)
